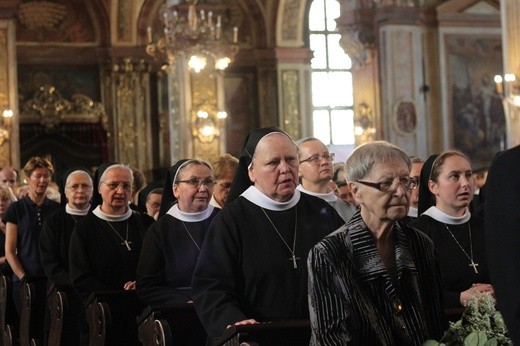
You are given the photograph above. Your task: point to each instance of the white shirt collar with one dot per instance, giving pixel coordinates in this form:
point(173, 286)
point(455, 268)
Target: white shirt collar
point(413, 212)
point(254, 195)
point(214, 203)
point(329, 197)
point(190, 217)
point(112, 218)
point(80, 212)
point(436, 214)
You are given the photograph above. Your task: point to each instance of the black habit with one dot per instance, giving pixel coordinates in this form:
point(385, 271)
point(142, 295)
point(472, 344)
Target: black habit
point(98, 258)
point(170, 251)
point(54, 246)
point(246, 270)
point(457, 274)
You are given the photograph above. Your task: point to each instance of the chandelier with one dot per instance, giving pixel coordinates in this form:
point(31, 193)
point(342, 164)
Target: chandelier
point(41, 15)
point(197, 36)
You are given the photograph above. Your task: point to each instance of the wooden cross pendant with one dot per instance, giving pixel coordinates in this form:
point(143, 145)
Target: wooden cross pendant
point(294, 259)
point(127, 244)
point(474, 265)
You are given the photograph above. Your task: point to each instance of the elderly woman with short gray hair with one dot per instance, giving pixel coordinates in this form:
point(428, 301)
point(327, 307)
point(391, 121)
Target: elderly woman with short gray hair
point(374, 281)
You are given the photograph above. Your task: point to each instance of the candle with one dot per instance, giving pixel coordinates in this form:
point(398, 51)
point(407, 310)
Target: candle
point(218, 28)
point(235, 34)
point(210, 18)
point(149, 34)
point(499, 86)
point(192, 17)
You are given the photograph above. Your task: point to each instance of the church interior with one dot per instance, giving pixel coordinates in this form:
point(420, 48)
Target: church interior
point(146, 83)
point(85, 82)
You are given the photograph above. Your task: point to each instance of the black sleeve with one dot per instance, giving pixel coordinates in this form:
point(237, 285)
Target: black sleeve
point(50, 251)
point(82, 278)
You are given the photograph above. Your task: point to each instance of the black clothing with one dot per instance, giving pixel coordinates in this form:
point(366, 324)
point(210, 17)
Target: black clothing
point(457, 274)
point(503, 235)
point(54, 246)
point(98, 258)
point(168, 259)
point(245, 270)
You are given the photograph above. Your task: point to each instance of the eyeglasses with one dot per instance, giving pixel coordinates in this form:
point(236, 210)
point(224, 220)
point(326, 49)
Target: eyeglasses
point(84, 187)
point(115, 186)
point(197, 183)
point(316, 159)
point(408, 183)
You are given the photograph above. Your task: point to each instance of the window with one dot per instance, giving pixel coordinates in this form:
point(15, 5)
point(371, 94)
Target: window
point(332, 94)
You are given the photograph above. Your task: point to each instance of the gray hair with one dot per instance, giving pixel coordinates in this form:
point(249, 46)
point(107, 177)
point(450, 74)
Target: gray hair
point(363, 158)
point(416, 159)
point(116, 166)
point(78, 171)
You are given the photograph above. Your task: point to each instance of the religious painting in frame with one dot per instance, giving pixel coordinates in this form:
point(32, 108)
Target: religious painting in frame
point(405, 117)
point(474, 105)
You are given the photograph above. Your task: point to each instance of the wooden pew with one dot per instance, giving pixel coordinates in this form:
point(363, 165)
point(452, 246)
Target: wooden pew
point(174, 325)
point(66, 313)
point(8, 314)
point(279, 333)
point(33, 294)
point(112, 318)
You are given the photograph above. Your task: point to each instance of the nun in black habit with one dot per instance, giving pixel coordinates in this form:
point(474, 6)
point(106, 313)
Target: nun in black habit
point(252, 267)
point(105, 245)
point(172, 244)
point(76, 193)
point(446, 189)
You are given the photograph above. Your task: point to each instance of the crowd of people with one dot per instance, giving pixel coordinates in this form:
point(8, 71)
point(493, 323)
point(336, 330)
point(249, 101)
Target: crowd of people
point(375, 250)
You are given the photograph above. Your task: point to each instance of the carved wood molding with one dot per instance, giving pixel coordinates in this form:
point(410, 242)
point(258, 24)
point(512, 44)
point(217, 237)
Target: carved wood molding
point(49, 108)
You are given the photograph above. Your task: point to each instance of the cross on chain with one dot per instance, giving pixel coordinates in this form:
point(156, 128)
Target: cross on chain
point(127, 244)
point(474, 265)
point(294, 259)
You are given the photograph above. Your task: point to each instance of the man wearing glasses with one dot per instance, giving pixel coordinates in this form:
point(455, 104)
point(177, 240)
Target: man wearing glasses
point(316, 171)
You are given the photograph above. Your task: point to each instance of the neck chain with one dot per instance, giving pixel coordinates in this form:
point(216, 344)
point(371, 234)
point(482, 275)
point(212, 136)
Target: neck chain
point(125, 240)
point(293, 257)
point(191, 237)
point(471, 262)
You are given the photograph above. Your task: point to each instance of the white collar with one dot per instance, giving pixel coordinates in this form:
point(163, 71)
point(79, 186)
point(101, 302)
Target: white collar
point(413, 212)
point(255, 196)
point(329, 197)
point(214, 203)
point(112, 218)
point(80, 212)
point(190, 217)
point(436, 214)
